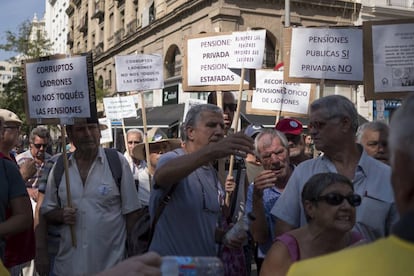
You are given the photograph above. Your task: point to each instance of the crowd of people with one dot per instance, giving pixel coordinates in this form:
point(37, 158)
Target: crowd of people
point(301, 197)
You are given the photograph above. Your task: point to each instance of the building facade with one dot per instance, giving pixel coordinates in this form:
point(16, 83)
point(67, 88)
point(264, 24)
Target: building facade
point(56, 24)
point(7, 71)
point(121, 27)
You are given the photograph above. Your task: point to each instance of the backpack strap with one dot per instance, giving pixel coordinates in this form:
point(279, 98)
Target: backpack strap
point(114, 165)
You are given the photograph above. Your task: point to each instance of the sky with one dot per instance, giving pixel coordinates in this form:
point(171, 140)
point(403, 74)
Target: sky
point(13, 13)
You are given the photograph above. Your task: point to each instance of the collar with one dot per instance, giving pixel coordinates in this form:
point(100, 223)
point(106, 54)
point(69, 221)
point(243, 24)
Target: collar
point(404, 228)
point(363, 163)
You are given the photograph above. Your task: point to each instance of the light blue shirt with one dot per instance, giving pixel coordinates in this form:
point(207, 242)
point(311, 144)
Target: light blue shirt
point(270, 196)
point(377, 212)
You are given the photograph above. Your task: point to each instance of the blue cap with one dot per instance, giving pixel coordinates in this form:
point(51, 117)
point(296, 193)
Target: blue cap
point(252, 130)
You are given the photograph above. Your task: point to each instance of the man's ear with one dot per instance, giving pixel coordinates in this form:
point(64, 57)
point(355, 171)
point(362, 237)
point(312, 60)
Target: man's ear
point(190, 133)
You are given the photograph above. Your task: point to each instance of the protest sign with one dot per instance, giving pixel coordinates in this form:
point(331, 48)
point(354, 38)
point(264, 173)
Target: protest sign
point(272, 93)
point(120, 107)
point(206, 64)
point(139, 72)
point(247, 49)
point(59, 87)
point(389, 62)
point(331, 54)
point(106, 134)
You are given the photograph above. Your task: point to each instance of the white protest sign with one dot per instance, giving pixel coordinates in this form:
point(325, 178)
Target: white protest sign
point(247, 49)
point(58, 88)
point(326, 53)
point(272, 93)
point(139, 72)
point(208, 60)
point(106, 134)
point(393, 47)
point(120, 107)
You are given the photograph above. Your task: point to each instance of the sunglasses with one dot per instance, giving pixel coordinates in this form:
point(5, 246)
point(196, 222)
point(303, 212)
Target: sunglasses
point(38, 146)
point(134, 142)
point(230, 106)
point(335, 199)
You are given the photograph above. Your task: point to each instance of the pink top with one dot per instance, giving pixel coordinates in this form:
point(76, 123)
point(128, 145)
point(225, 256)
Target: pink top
point(293, 246)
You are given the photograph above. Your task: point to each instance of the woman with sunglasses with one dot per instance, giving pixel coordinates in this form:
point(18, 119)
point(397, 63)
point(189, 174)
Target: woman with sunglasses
point(329, 202)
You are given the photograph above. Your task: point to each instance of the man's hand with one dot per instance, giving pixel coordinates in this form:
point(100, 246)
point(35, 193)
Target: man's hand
point(33, 193)
point(69, 215)
point(235, 144)
point(147, 264)
point(230, 184)
point(265, 179)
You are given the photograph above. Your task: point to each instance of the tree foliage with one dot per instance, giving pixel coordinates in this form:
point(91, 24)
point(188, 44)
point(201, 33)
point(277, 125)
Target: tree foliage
point(27, 45)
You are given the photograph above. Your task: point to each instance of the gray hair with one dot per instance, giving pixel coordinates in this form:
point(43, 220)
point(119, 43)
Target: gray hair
point(318, 183)
point(377, 126)
point(193, 117)
point(337, 105)
point(41, 132)
point(135, 130)
point(273, 134)
point(402, 129)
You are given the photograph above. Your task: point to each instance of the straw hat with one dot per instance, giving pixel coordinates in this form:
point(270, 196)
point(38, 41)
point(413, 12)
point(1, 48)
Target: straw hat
point(10, 117)
point(155, 136)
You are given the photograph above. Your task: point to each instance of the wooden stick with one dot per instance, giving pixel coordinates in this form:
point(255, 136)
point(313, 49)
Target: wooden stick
point(144, 123)
point(236, 123)
point(68, 194)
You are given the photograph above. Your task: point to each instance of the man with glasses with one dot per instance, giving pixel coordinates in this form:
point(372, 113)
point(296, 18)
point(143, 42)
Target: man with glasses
point(293, 131)
point(189, 220)
point(39, 141)
point(333, 122)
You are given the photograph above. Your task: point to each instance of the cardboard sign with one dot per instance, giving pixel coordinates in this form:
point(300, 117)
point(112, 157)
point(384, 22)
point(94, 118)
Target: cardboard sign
point(206, 64)
point(330, 54)
point(272, 93)
point(247, 49)
point(106, 134)
point(139, 72)
point(120, 107)
point(389, 62)
point(59, 88)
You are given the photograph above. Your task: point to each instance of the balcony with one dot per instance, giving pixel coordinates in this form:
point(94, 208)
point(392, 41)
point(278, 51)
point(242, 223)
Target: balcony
point(83, 24)
point(77, 3)
point(108, 83)
point(131, 27)
point(119, 35)
point(69, 39)
point(401, 3)
point(99, 10)
point(70, 10)
point(120, 3)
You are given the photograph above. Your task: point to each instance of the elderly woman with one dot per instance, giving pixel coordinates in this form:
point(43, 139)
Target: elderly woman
point(329, 203)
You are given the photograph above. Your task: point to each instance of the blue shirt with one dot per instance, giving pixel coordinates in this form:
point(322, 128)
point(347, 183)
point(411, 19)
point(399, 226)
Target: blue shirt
point(270, 196)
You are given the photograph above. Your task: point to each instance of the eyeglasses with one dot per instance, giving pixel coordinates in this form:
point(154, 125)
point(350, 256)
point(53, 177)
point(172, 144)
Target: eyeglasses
point(38, 146)
point(230, 106)
point(337, 199)
point(134, 142)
